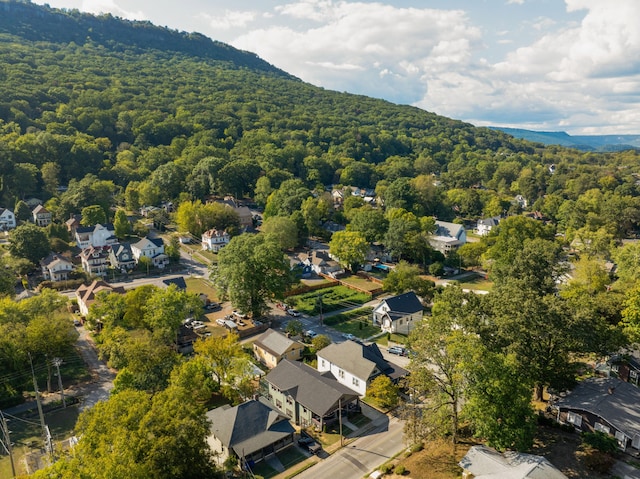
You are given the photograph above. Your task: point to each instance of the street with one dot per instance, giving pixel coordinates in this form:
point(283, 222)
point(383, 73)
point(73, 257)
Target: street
point(363, 455)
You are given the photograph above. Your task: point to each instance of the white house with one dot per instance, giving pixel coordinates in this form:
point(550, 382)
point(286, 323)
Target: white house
point(7, 219)
point(355, 365)
point(56, 267)
point(482, 462)
point(448, 237)
point(96, 236)
point(398, 314)
point(41, 216)
point(86, 294)
point(214, 240)
point(485, 225)
point(152, 248)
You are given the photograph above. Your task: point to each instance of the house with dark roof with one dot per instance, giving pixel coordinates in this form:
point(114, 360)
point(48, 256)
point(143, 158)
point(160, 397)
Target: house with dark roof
point(307, 396)
point(448, 237)
point(250, 431)
point(271, 347)
point(485, 225)
point(86, 294)
point(96, 235)
point(152, 248)
point(355, 365)
point(121, 257)
point(179, 281)
point(482, 462)
point(321, 263)
point(95, 260)
point(609, 405)
point(398, 314)
point(56, 267)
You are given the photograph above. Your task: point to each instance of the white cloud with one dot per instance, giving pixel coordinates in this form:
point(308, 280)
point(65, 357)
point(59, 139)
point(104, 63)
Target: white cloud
point(110, 6)
point(230, 19)
point(515, 2)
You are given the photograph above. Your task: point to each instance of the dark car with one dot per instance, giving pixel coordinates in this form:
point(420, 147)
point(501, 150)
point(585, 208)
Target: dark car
point(212, 306)
point(309, 444)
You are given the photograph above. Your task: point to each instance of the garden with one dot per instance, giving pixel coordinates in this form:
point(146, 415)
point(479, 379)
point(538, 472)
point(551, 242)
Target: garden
point(327, 300)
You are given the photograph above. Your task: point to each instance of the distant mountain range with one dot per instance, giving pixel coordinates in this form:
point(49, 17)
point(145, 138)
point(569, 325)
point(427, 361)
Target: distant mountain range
point(580, 142)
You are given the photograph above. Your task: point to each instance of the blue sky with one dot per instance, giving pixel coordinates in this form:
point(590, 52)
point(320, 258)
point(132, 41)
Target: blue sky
point(552, 65)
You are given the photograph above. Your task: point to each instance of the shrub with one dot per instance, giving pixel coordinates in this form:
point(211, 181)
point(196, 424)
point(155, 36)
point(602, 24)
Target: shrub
point(600, 441)
point(400, 470)
point(598, 461)
point(416, 447)
point(385, 468)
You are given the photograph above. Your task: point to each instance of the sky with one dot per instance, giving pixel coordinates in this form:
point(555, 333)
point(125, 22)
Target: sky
point(544, 65)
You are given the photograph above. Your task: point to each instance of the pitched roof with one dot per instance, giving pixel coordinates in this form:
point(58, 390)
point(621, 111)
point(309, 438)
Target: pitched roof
point(448, 230)
point(316, 391)
point(53, 258)
point(88, 292)
point(147, 242)
point(493, 221)
point(40, 209)
point(179, 282)
point(93, 228)
point(274, 342)
point(360, 360)
point(248, 427)
point(486, 463)
point(612, 399)
point(406, 303)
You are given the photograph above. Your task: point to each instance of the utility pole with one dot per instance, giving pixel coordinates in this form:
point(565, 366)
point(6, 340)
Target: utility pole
point(340, 421)
point(57, 362)
point(7, 442)
point(45, 435)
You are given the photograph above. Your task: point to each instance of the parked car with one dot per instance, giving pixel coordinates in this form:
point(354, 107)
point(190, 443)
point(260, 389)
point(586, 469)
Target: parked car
point(400, 351)
point(309, 444)
point(212, 306)
point(311, 333)
point(293, 312)
point(239, 314)
point(220, 321)
point(349, 336)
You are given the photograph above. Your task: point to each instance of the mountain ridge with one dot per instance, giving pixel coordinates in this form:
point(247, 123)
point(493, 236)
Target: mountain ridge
point(601, 143)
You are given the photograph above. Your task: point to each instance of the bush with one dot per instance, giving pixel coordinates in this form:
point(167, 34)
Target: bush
point(385, 468)
point(416, 447)
point(598, 461)
point(600, 441)
point(400, 470)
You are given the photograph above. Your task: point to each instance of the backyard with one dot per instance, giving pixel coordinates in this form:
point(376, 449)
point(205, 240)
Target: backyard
point(327, 300)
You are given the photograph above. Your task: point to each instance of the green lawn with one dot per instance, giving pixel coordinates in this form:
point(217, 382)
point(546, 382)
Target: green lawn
point(362, 283)
point(201, 286)
point(356, 322)
point(475, 283)
point(333, 299)
point(395, 338)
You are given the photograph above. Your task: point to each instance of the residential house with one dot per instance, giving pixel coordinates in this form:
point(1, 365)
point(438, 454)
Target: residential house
point(245, 217)
point(97, 235)
point(625, 367)
point(249, 431)
point(121, 257)
point(149, 211)
point(307, 396)
point(321, 263)
point(7, 219)
point(152, 248)
point(378, 254)
point(72, 224)
point(300, 269)
point(609, 405)
point(41, 216)
point(95, 260)
point(448, 237)
point(355, 365)
point(398, 314)
point(214, 240)
point(179, 282)
point(482, 462)
point(485, 225)
point(86, 294)
point(56, 267)
point(271, 347)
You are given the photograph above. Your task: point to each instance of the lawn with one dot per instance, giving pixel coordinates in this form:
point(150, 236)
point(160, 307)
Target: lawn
point(395, 338)
point(201, 286)
point(26, 432)
point(474, 283)
point(333, 299)
point(357, 324)
point(362, 283)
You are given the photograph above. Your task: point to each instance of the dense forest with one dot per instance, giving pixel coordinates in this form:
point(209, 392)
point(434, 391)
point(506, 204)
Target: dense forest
point(104, 112)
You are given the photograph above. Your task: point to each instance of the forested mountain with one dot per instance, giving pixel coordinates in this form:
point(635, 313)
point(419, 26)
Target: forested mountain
point(580, 142)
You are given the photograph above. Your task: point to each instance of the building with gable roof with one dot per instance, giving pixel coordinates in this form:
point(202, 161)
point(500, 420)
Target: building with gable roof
point(214, 240)
point(56, 267)
point(152, 248)
point(121, 257)
point(448, 237)
point(485, 225)
point(86, 294)
point(41, 216)
point(250, 431)
point(482, 462)
point(355, 365)
point(307, 396)
point(7, 219)
point(95, 260)
point(97, 235)
point(271, 347)
point(398, 314)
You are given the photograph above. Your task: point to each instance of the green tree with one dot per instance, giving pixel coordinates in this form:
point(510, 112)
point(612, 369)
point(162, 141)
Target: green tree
point(50, 172)
point(93, 215)
point(294, 327)
point(320, 341)
point(252, 270)
point(406, 277)
point(30, 242)
point(314, 212)
point(368, 221)
point(22, 211)
point(350, 247)
point(383, 391)
point(283, 229)
point(8, 277)
point(286, 199)
point(121, 224)
point(224, 355)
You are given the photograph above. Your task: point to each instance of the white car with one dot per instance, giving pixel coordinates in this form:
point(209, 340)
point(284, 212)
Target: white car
point(293, 312)
point(349, 336)
point(311, 333)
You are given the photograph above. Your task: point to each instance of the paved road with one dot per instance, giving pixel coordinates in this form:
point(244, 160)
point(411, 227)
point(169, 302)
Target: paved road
point(102, 377)
point(363, 455)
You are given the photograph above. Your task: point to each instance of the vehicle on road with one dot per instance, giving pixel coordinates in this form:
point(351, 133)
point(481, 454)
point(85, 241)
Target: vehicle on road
point(293, 312)
point(349, 336)
point(311, 333)
point(400, 351)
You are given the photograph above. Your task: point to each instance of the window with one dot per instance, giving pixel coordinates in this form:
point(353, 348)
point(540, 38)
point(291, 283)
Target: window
point(340, 373)
point(602, 428)
point(622, 439)
point(356, 382)
point(322, 362)
point(278, 404)
point(575, 419)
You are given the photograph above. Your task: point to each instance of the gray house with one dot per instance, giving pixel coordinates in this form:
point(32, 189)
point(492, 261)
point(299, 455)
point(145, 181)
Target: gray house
point(307, 396)
point(398, 314)
point(250, 431)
